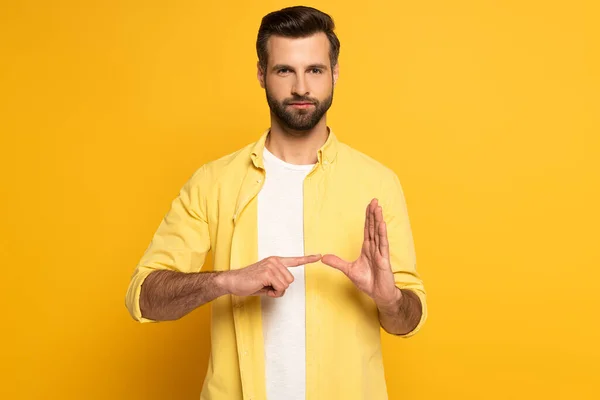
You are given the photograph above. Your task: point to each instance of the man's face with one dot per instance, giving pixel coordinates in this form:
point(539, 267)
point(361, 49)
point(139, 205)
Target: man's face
point(298, 80)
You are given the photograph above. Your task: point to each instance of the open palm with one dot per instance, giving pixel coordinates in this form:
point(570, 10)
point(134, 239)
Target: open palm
point(371, 272)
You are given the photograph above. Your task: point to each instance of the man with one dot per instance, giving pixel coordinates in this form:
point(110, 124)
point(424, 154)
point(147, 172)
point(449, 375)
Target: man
point(312, 245)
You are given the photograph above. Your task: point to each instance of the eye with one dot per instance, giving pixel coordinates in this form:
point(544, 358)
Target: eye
point(282, 70)
point(316, 71)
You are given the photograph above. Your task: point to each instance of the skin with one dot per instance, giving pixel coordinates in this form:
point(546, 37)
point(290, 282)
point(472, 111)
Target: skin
point(298, 69)
point(169, 295)
point(399, 309)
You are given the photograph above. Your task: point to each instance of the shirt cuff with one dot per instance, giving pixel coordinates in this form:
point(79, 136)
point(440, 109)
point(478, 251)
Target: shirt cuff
point(132, 300)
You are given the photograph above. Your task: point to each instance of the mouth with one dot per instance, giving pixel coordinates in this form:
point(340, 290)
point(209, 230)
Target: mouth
point(301, 105)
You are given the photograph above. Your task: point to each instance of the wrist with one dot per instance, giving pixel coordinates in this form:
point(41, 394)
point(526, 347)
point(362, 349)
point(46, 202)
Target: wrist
point(223, 281)
point(390, 305)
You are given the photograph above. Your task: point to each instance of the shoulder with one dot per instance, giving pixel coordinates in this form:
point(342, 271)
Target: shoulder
point(212, 171)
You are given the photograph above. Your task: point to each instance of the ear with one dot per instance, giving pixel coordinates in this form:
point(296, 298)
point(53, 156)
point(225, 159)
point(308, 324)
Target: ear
point(260, 75)
point(336, 73)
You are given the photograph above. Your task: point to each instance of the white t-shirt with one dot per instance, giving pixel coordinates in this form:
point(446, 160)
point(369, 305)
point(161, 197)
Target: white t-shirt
point(281, 233)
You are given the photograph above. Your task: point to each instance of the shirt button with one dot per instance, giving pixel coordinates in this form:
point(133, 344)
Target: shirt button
point(325, 162)
point(259, 181)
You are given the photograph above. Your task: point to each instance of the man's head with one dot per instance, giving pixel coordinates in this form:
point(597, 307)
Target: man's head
point(298, 63)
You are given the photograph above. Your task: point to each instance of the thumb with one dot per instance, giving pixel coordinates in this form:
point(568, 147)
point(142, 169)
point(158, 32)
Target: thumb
point(336, 262)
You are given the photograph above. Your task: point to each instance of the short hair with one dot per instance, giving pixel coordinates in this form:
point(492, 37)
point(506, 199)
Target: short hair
point(296, 22)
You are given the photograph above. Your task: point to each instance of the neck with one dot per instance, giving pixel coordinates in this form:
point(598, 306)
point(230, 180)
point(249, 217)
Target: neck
point(296, 147)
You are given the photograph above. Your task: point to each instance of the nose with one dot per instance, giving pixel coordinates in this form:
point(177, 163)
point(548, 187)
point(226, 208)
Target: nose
point(300, 88)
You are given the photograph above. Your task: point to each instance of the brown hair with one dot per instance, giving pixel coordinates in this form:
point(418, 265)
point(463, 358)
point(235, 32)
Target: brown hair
point(296, 22)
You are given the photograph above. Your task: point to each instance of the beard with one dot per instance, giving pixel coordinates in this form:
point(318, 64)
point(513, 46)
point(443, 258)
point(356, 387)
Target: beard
point(299, 119)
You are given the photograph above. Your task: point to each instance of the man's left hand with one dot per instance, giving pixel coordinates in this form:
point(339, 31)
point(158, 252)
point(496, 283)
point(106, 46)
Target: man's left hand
point(372, 271)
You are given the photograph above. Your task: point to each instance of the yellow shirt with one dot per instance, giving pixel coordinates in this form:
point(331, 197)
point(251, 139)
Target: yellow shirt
point(217, 210)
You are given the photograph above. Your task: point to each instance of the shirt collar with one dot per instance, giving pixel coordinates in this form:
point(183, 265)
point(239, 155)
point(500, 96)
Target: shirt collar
point(326, 155)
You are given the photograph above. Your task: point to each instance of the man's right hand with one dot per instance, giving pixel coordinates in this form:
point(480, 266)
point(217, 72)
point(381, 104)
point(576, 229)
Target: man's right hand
point(267, 277)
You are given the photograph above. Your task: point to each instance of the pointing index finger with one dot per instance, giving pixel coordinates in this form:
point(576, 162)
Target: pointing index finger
point(297, 261)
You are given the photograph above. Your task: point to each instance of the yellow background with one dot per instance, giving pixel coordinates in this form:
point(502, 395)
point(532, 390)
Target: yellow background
point(487, 110)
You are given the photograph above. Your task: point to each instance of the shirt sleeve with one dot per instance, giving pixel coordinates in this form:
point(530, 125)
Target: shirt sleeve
point(401, 246)
point(180, 243)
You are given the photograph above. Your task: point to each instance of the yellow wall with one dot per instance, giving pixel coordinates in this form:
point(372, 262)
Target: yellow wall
point(487, 110)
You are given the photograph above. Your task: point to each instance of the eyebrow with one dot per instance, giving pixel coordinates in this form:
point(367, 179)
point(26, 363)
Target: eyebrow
point(280, 66)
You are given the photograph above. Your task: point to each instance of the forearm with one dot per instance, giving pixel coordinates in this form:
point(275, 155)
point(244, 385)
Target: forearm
point(401, 316)
point(169, 295)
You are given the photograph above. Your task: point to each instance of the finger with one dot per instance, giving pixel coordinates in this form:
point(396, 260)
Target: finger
point(273, 293)
point(384, 246)
point(377, 217)
point(371, 222)
point(264, 291)
point(282, 273)
point(277, 283)
point(297, 261)
point(336, 262)
point(367, 236)
point(288, 276)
